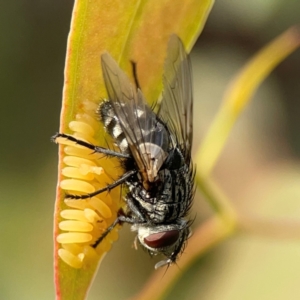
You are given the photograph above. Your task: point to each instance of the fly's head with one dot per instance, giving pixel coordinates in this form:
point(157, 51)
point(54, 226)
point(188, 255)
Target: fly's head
point(168, 240)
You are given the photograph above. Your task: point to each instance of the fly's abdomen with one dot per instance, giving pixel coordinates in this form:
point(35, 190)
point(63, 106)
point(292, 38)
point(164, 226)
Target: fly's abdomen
point(141, 133)
point(113, 126)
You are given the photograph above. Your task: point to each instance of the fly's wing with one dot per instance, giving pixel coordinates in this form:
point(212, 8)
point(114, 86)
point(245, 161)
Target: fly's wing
point(177, 102)
point(148, 141)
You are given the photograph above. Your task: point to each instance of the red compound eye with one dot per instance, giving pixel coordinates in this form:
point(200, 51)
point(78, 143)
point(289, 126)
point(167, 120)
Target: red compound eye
point(162, 239)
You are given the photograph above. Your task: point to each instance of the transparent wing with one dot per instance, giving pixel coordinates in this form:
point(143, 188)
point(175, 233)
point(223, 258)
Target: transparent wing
point(176, 108)
point(147, 139)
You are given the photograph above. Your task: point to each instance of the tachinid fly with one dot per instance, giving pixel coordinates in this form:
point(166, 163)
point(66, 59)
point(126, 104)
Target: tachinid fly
point(155, 152)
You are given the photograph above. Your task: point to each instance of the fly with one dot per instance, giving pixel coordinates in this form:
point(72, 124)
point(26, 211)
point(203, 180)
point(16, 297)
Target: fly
point(155, 153)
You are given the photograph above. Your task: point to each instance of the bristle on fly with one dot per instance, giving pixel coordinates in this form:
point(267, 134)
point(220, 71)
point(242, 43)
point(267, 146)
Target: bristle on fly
point(83, 221)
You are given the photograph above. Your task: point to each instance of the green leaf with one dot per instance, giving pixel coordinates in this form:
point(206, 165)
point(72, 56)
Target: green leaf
point(128, 30)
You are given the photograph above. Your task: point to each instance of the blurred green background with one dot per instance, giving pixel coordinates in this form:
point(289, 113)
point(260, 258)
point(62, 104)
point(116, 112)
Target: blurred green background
point(259, 168)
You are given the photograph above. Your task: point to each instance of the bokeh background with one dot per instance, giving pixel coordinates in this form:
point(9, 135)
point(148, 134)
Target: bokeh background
point(259, 168)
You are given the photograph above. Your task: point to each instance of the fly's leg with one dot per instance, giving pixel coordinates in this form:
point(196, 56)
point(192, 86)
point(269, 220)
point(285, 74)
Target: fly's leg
point(96, 149)
point(136, 219)
point(119, 220)
point(134, 72)
point(119, 181)
point(135, 210)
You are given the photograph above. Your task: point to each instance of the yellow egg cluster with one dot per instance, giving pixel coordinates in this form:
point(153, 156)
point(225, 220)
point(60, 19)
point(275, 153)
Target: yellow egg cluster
point(85, 172)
